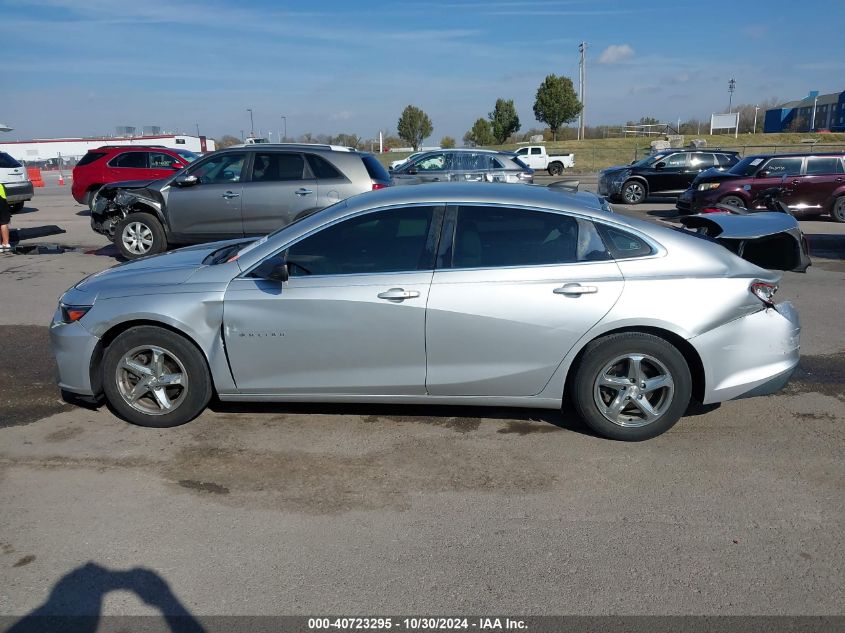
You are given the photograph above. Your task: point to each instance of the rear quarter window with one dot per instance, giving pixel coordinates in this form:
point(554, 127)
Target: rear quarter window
point(621, 244)
point(375, 169)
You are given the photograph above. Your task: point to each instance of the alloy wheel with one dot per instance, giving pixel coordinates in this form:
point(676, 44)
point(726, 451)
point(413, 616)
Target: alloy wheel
point(633, 390)
point(152, 380)
point(634, 193)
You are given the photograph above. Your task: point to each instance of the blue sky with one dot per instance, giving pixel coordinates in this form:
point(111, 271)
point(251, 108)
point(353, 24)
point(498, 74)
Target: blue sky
point(82, 67)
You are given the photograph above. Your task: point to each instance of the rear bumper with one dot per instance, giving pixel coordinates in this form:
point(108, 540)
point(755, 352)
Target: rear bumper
point(751, 356)
point(18, 191)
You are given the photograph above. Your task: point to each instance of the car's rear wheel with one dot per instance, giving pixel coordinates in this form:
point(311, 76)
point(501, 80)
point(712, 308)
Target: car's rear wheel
point(838, 211)
point(555, 169)
point(154, 377)
point(14, 207)
point(733, 201)
point(633, 192)
point(138, 235)
point(631, 386)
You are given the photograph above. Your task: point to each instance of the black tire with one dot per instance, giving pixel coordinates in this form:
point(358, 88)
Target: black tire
point(633, 192)
point(838, 210)
point(14, 207)
point(89, 198)
point(179, 357)
point(734, 201)
point(599, 364)
point(138, 235)
point(555, 169)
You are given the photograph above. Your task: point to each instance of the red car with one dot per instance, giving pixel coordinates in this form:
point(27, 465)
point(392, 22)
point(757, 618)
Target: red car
point(115, 163)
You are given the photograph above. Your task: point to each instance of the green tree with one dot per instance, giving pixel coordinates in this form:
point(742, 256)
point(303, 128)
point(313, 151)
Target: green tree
point(414, 125)
point(348, 140)
point(481, 133)
point(447, 142)
point(504, 120)
point(556, 102)
point(227, 141)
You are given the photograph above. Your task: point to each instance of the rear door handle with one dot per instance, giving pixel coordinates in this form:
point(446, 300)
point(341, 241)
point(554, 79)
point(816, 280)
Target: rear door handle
point(302, 191)
point(230, 194)
point(575, 289)
point(398, 294)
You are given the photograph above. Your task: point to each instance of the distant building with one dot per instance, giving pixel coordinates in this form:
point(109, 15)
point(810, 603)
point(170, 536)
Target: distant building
point(72, 149)
point(813, 112)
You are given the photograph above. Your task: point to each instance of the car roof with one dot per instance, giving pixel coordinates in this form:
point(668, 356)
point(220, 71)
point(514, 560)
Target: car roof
point(691, 150)
point(131, 147)
point(295, 146)
point(798, 155)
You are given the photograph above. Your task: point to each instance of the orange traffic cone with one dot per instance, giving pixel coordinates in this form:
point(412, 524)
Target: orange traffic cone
point(61, 180)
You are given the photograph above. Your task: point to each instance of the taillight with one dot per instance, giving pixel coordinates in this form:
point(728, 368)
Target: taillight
point(378, 185)
point(765, 292)
point(711, 210)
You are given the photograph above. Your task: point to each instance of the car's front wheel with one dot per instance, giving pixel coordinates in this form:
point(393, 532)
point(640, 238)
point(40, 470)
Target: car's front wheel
point(733, 201)
point(633, 192)
point(154, 377)
point(138, 235)
point(631, 386)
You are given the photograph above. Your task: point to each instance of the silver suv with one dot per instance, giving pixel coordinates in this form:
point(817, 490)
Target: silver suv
point(241, 191)
point(463, 165)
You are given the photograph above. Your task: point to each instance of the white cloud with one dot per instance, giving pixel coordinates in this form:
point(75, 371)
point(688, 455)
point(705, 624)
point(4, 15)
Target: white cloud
point(616, 53)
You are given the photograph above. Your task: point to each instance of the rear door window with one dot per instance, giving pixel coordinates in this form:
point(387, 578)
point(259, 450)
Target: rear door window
point(277, 167)
point(489, 237)
point(824, 165)
point(783, 167)
point(130, 160)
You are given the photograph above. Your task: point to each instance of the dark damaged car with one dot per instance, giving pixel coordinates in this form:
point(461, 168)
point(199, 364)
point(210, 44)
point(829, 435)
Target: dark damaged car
point(243, 191)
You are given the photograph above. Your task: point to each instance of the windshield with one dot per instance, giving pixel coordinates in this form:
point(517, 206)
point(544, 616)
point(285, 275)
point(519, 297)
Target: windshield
point(746, 166)
point(187, 155)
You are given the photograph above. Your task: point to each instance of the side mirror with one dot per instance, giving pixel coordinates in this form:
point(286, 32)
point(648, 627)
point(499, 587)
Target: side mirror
point(273, 268)
point(176, 166)
point(186, 181)
point(660, 165)
point(390, 168)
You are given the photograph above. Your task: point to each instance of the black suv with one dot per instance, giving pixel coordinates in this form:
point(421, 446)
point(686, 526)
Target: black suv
point(666, 173)
point(240, 191)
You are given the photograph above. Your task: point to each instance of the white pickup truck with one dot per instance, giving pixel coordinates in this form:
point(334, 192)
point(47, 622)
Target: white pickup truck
point(535, 157)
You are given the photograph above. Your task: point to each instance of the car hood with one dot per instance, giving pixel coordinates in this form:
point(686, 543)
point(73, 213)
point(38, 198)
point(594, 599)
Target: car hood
point(768, 239)
point(615, 168)
point(136, 184)
point(168, 269)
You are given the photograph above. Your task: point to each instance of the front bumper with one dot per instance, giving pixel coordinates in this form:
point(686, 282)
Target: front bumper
point(610, 185)
point(73, 347)
point(18, 191)
point(751, 356)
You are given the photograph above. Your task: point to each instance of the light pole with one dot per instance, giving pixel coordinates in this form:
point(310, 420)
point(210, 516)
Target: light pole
point(251, 124)
point(198, 129)
point(754, 129)
point(813, 120)
point(285, 121)
point(731, 88)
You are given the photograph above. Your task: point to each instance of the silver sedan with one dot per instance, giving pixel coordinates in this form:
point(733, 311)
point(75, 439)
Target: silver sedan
point(447, 294)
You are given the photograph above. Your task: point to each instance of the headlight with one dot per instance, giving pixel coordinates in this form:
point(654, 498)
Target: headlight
point(73, 313)
point(706, 186)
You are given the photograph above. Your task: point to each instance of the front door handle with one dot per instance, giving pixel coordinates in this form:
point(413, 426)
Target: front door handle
point(575, 289)
point(398, 294)
point(230, 194)
point(796, 182)
point(302, 191)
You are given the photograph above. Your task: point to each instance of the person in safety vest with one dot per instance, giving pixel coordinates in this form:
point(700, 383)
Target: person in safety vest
point(5, 218)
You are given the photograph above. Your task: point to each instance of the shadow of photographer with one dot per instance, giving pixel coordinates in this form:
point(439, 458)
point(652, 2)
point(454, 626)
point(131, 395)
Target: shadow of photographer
point(76, 601)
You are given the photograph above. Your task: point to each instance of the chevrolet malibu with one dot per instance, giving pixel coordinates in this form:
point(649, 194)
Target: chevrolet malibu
point(448, 294)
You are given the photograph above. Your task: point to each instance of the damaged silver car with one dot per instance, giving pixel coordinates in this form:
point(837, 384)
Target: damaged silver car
point(445, 294)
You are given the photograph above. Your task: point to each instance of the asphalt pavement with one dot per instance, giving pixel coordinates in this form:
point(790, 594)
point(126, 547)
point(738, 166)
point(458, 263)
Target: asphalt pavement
point(307, 509)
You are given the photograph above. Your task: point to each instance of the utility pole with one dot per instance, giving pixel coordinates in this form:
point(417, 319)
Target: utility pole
point(198, 129)
point(285, 122)
point(731, 88)
point(813, 120)
point(582, 87)
point(754, 129)
point(251, 124)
